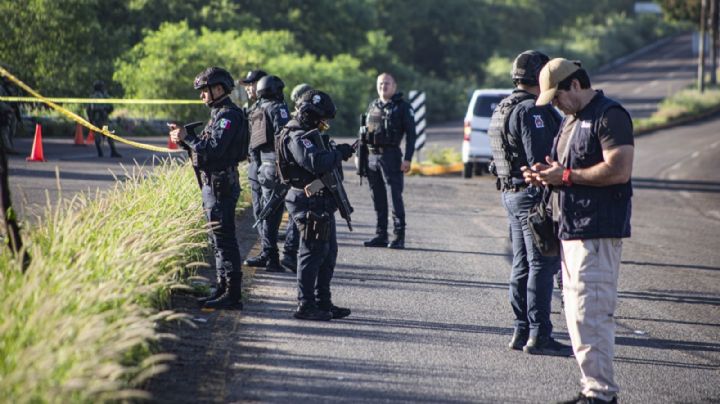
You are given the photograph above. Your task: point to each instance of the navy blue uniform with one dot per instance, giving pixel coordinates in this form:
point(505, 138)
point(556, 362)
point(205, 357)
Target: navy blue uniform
point(214, 153)
point(394, 119)
point(316, 257)
point(530, 134)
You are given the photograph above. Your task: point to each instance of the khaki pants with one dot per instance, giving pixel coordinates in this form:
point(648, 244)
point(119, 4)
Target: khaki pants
point(590, 274)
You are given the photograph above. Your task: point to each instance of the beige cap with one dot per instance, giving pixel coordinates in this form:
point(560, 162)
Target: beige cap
point(551, 75)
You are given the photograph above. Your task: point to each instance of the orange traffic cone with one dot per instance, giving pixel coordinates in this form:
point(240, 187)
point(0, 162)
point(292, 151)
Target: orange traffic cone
point(171, 145)
point(37, 149)
point(79, 138)
point(91, 138)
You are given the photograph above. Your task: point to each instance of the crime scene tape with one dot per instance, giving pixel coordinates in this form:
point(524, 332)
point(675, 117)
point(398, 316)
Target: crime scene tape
point(75, 117)
point(101, 100)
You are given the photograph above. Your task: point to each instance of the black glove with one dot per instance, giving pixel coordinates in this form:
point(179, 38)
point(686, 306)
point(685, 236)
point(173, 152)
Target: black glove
point(345, 149)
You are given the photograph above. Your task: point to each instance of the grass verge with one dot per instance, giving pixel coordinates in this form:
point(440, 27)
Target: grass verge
point(80, 324)
point(680, 106)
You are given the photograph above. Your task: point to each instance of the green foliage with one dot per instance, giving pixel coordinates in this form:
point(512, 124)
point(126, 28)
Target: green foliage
point(681, 10)
point(683, 104)
point(497, 72)
point(442, 156)
point(77, 326)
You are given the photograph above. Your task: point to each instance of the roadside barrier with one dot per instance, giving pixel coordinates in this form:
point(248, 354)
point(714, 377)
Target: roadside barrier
point(79, 138)
point(78, 119)
point(90, 139)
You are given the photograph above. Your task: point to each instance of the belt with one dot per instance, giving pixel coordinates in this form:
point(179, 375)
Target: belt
point(206, 176)
point(507, 185)
point(380, 149)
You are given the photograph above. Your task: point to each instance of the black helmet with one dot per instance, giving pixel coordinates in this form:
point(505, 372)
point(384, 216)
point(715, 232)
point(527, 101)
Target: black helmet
point(298, 91)
point(99, 85)
point(527, 65)
point(270, 87)
point(315, 106)
point(212, 76)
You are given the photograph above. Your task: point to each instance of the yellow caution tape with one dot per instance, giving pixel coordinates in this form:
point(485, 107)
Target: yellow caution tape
point(101, 100)
point(80, 120)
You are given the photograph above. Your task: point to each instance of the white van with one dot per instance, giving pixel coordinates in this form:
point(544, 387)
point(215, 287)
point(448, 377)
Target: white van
point(476, 150)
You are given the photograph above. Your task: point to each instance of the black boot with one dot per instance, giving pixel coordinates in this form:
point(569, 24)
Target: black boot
point(260, 260)
point(398, 242)
point(380, 240)
point(289, 262)
point(519, 339)
point(220, 289)
point(337, 312)
point(232, 298)
point(273, 264)
point(310, 311)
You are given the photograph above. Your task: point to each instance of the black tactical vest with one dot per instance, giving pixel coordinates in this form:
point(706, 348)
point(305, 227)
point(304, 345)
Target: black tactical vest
point(382, 130)
point(505, 150)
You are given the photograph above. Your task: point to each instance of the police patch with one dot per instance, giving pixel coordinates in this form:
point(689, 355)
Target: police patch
point(308, 144)
point(538, 121)
point(283, 113)
point(585, 124)
point(224, 123)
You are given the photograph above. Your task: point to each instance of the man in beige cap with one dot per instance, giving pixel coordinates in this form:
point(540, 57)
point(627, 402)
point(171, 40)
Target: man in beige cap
point(590, 169)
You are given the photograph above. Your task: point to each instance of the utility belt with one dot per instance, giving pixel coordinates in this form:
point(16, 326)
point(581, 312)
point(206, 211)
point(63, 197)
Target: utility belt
point(380, 149)
point(506, 184)
point(227, 175)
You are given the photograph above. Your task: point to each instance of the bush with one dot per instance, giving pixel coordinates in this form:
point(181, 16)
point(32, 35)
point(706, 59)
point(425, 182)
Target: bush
point(79, 324)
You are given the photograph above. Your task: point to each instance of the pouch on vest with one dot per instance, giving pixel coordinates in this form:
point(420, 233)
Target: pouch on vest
point(378, 124)
point(542, 227)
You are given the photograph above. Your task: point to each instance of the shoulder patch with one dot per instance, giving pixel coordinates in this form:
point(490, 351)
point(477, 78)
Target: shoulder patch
point(539, 121)
point(585, 124)
point(283, 113)
point(307, 143)
point(224, 123)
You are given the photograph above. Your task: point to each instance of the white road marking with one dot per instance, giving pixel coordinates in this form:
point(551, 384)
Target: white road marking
point(694, 155)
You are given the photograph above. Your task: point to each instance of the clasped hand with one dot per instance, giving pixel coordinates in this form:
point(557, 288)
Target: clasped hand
point(543, 174)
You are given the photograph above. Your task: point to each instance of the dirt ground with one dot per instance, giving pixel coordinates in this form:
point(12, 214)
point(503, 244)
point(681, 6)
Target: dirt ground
point(203, 354)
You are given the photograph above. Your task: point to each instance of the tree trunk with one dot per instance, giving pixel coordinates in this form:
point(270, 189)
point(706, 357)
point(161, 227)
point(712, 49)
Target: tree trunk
point(12, 230)
point(714, 6)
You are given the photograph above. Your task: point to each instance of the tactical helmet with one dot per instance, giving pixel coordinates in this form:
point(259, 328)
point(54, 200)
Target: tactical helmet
point(315, 106)
point(298, 91)
point(270, 87)
point(214, 75)
point(527, 66)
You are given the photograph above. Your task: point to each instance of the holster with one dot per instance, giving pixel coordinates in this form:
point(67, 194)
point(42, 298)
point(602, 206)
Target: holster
point(317, 227)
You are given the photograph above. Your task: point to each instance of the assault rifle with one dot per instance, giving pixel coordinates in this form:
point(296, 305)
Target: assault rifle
point(361, 149)
point(333, 181)
point(277, 197)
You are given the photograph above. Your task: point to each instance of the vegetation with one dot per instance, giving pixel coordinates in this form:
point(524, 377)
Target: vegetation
point(154, 48)
point(684, 104)
point(441, 156)
point(79, 324)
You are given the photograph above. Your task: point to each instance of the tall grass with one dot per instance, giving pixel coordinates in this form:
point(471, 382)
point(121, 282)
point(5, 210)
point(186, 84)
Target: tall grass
point(685, 103)
point(79, 324)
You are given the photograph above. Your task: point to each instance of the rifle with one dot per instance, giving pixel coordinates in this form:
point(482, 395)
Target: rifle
point(277, 197)
point(190, 128)
point(361, 149)
point(333, 182)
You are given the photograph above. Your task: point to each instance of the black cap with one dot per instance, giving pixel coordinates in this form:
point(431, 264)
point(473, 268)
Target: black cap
point(253, 76)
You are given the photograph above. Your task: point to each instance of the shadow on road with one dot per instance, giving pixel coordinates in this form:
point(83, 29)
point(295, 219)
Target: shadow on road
point(676, 185)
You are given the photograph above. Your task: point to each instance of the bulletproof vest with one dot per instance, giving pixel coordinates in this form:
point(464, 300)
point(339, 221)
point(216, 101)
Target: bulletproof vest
point(259, 127)
point(238, 148)
point(381, 130)
point(506, 150)
point(592, 211)
point(288, 170)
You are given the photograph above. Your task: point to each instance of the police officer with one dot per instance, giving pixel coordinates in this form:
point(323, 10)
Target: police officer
point(250, 84)
point(98, 115)
point(522, 134)
point(9, 116)
point(304, 155)
point(389, 118)
point(267, 118)
point(215, 153)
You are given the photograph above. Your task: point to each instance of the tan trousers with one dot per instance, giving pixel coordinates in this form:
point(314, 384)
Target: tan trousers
point(590, 274)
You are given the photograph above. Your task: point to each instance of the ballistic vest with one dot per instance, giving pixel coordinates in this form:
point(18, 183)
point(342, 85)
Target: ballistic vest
point(508, 154)
point(590, 211)
point(384, 122)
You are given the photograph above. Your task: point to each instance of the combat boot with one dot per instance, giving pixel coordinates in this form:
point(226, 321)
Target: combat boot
point(337, 312)
point(273, 264)
point(259, 260)
point(289, 262)
point(232, 298)
point(310, 311)
point(398, 242)
point(219, 291)
point(380, 240)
